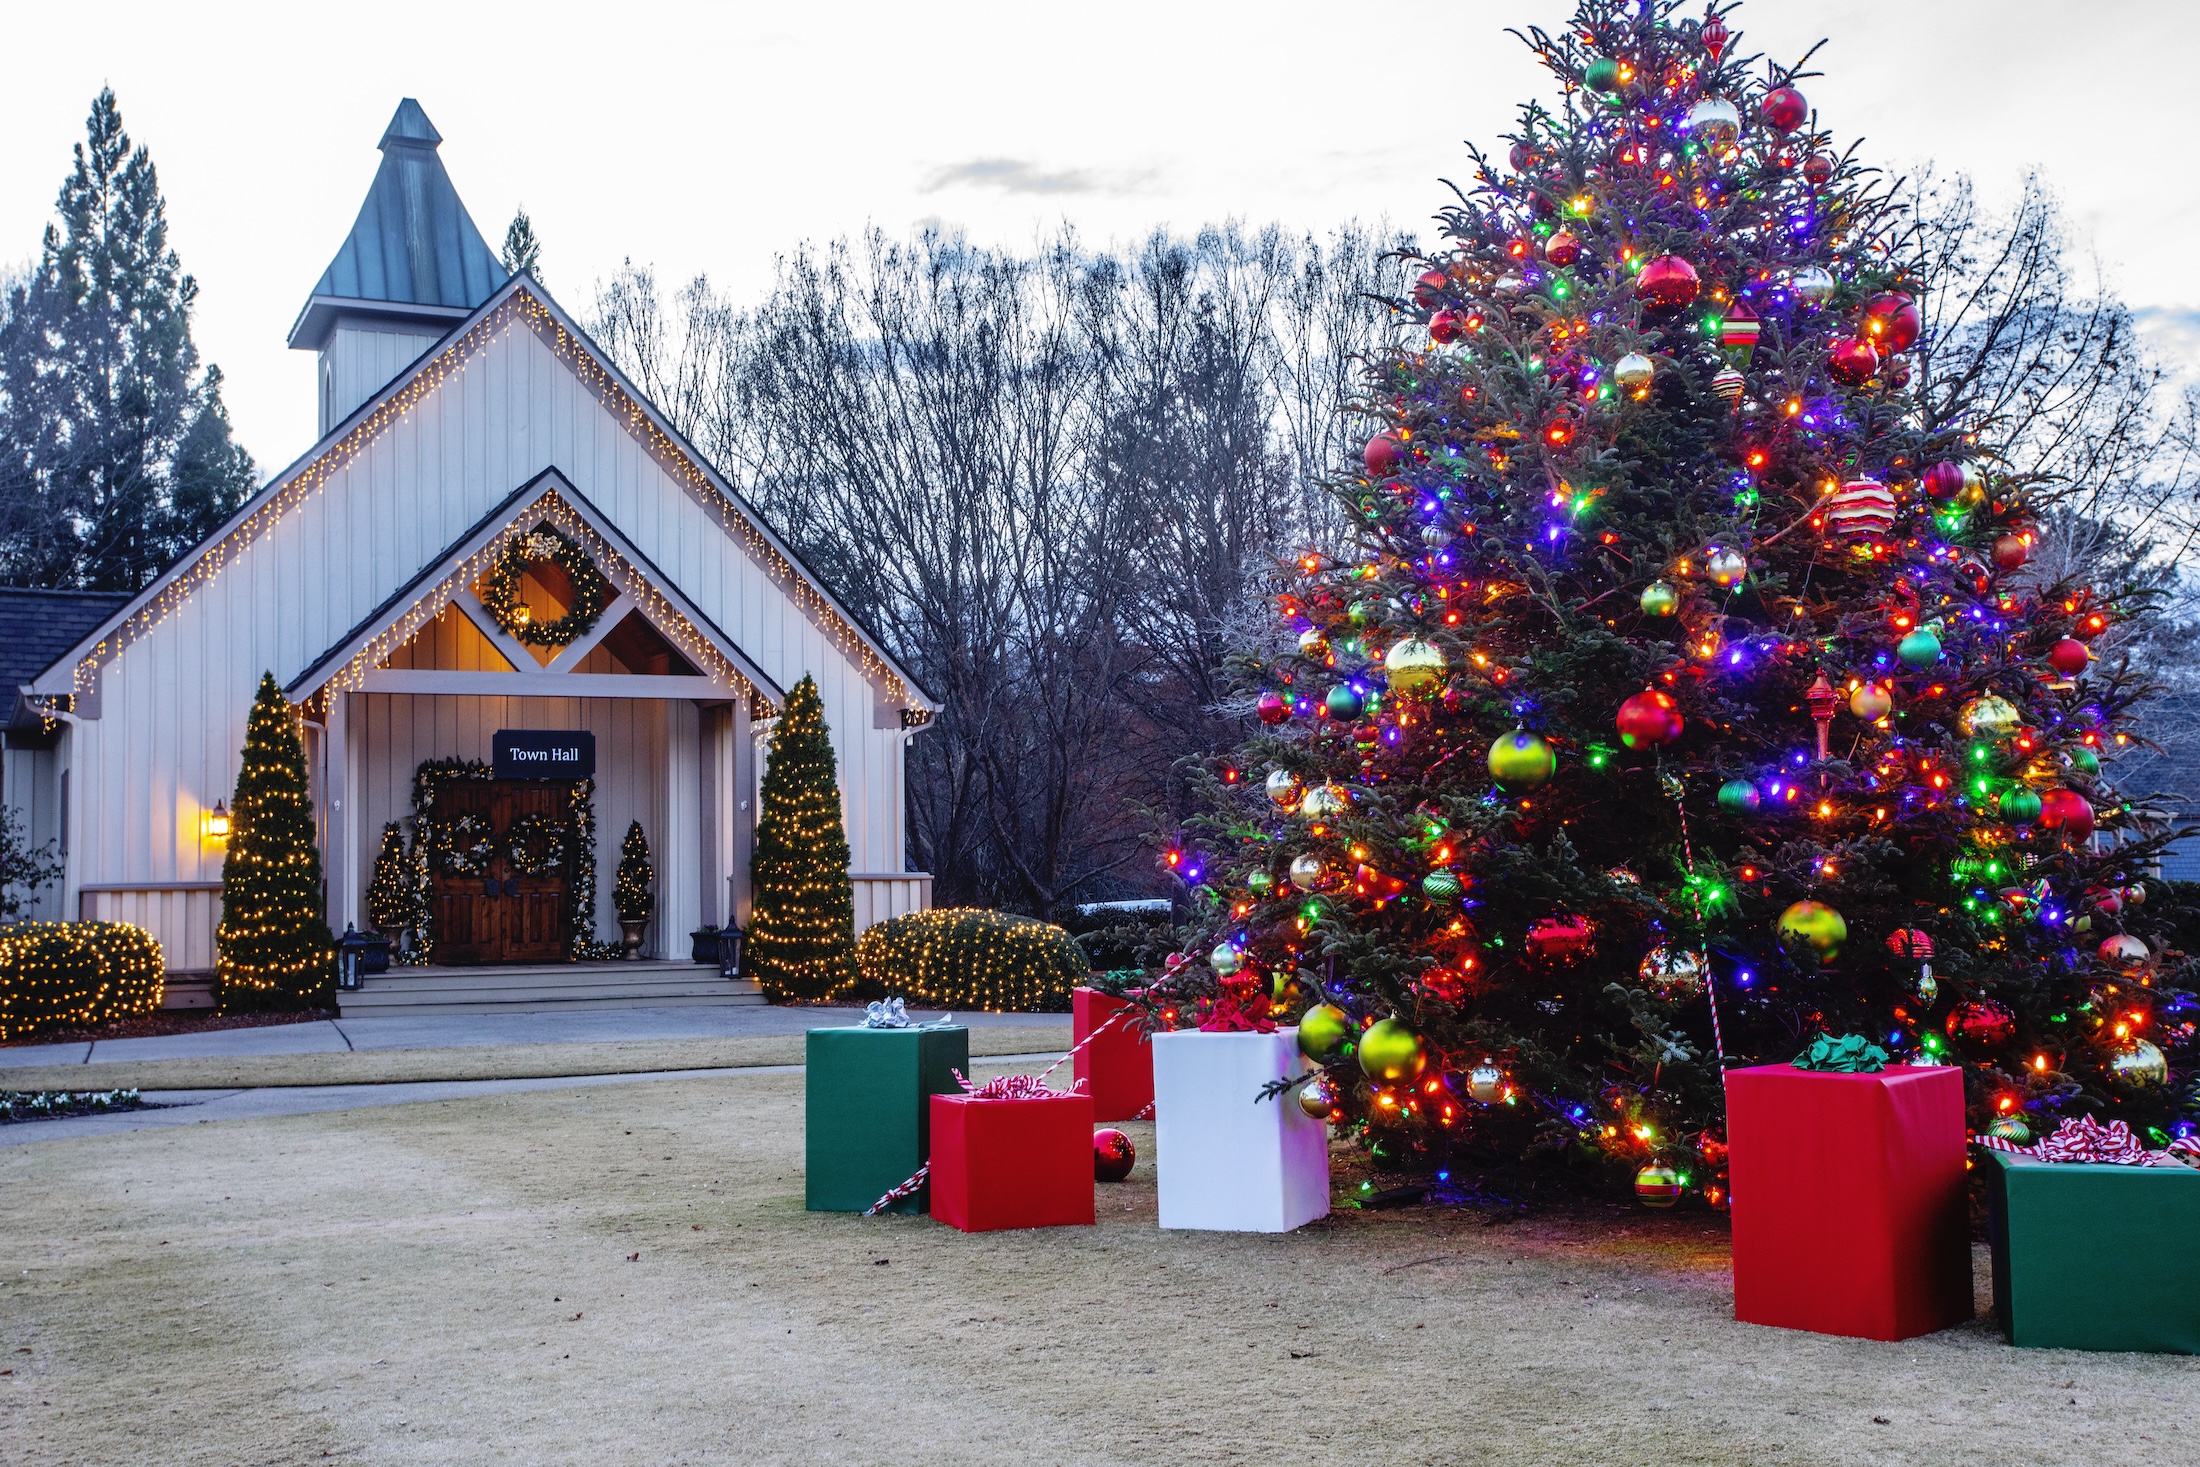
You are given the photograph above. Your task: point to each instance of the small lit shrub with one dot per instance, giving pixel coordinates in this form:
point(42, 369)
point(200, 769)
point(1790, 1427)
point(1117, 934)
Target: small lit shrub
point(69, 974)
point(969, 958)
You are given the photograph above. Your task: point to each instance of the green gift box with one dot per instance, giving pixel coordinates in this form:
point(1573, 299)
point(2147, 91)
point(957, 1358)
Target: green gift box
point(867, 1111)
point(2065, 1237)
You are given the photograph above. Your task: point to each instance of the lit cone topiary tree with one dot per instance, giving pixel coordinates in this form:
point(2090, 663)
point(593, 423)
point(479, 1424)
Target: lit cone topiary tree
point(802, 941)
point(1680, 689)
point(273, 949)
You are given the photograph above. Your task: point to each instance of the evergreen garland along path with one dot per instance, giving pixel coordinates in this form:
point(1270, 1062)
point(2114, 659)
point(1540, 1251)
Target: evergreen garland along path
point(1684, 649)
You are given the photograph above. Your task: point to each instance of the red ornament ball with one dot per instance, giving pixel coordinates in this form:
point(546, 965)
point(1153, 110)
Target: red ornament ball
point(1429, 289)
point(1852, 360)
point(1560, 939)
point(1910, 942)
point(1273, 708)
point(1384, 454)
point(1817, 170)
point(1892, 322)
point(1446, 327)
point(2067, 813)
point(2012, 551)
point(1649, 719)
point(1784, 109)
point(2069, 657)
point(1522, 157)
point(1668, 280)
point(1562, 248)
point(1943, 481)
point(1982, 1021)
point(1715, 36)
point(1113, 1156)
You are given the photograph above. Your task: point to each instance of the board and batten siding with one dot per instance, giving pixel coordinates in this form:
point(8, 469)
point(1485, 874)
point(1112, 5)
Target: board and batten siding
point(173, 703)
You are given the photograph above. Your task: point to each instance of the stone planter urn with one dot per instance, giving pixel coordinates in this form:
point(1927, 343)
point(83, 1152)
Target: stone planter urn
point(630, 937)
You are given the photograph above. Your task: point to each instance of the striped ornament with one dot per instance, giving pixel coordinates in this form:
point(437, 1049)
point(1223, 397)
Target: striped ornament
point(1861, 510)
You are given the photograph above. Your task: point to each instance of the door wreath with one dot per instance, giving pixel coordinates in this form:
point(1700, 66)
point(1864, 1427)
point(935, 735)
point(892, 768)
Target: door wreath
point(535, 845)
point(500, 589)
point(465, 844)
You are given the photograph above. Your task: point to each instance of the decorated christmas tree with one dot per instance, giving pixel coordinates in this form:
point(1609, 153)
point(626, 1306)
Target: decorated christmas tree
point(273, 949)
point(802, 939)
point(1680, 692)
point(631, 897)
point(390, 897)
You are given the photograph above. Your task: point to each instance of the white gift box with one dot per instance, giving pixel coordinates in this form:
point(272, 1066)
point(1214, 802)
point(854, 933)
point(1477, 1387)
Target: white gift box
point(1227, 1159)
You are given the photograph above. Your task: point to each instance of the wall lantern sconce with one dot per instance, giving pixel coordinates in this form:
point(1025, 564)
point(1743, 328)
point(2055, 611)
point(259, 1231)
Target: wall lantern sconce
point(214, 824)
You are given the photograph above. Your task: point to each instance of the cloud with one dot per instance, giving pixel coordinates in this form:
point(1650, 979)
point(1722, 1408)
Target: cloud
point(1021, 176)
point(2173, 333)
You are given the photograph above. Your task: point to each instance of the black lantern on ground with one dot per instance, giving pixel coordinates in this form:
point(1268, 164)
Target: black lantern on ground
point(359, 953)
point(729, 951)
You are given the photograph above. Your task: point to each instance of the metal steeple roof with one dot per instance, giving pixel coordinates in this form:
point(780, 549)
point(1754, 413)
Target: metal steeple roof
point(413, 253)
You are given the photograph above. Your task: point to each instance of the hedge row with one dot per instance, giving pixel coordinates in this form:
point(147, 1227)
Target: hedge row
point(968, 958)
point(68, 974)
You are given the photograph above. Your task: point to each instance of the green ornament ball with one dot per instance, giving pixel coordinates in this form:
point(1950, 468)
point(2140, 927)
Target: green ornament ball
point(1260, 883)
point(1390, 1052)
point(1342, 703)
point(1522, 761)
point(1919, 649)
point(1443, 887)
point(1603, 76)
point(2084, 760)
point(1813, 927)
point(1323, 1031)
point(2018, 806)
point(1660, 599)
point(1739, 797)
point(2011, 1129)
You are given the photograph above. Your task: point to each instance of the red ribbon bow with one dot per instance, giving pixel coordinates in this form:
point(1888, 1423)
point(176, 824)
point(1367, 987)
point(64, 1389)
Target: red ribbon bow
point(1238, 1009)
point(1016, 1087)
point(2087, 1140)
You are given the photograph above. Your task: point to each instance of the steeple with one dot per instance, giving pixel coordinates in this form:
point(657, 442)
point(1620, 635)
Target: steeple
point(414, 258)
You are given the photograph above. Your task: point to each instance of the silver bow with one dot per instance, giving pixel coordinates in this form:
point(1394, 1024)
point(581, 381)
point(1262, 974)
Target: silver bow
point(886, 1014)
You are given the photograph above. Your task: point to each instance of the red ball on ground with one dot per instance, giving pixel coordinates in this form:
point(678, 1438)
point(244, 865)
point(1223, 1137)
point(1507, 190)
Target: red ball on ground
point(1649, 719)
point(2069, 657)
point(1852, 360)
point(1384, 454)
point(1784, 109)
point(1113, 1156)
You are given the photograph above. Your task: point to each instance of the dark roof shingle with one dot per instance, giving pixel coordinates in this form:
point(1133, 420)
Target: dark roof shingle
point(38, 627)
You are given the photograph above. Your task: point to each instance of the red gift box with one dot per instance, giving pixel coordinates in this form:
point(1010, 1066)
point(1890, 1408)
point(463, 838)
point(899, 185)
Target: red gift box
point(1011, 1163)
point(1117, 1067)
point(1848, 1200)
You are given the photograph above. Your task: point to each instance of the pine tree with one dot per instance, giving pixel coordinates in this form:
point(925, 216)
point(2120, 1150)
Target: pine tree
point(273, 949)
point(802, 940)
point(115, 452)
point(631, 897)
point(522, 250)
point(1680, 692)
point(390, 888)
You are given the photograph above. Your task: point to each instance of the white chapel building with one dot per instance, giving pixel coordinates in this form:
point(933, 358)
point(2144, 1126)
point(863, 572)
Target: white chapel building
point(462, 413)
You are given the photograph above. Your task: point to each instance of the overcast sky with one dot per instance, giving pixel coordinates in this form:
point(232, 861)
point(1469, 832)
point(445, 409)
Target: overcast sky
point(710, 137)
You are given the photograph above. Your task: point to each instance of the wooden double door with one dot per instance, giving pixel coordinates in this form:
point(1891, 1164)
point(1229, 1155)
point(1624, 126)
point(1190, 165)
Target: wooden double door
point(499, 915)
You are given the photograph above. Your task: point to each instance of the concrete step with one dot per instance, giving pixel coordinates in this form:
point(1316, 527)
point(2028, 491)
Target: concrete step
point(529, 988)
point(574, 976)
point(405, 1009)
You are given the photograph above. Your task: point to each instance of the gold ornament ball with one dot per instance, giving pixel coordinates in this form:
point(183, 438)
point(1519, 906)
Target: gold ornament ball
point(1315, 1098)
point(1323, 1030)
point(1414, 665)
point(1390, 1052)
point(1634, 371)
point(1522, 761)
point(2141, 1066)
point(1990, 717)
point(1726, 567)
point(1660, 599)
point(1486, 1083)
point(1313, 645)
point(1815, 926)
point(1325, 801)
point(1284, 787)
point(1306, 872)
point(1870, 703)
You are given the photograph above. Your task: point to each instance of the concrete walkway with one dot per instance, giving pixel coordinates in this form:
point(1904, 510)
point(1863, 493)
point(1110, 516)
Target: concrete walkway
point(456, 1031)
point(200, 1107)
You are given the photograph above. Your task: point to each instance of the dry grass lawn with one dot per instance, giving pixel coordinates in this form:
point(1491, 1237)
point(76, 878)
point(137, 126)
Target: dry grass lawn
point(626, 1275)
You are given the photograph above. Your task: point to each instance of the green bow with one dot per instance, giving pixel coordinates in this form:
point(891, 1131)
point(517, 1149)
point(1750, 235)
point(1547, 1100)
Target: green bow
point(1851, 1054)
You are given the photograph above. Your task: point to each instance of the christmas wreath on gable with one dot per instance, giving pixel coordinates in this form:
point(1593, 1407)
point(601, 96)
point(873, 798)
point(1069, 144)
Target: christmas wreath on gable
point(545, 546)
point(535, 845)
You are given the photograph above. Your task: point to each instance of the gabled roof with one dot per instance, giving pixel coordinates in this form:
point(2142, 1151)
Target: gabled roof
point(520, 301)
point(413, 253)
point(37, 627)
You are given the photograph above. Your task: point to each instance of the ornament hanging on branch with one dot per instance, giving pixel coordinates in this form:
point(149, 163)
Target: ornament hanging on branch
point(1649, 720)
point(1813, 928)
point(1668, 281)
point(1561, 939)
point(1522, 761)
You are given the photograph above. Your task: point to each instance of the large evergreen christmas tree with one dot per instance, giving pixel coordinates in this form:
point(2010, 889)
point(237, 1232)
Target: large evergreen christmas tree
point(273, 949)
point(802, 938)
point(1680, 691)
